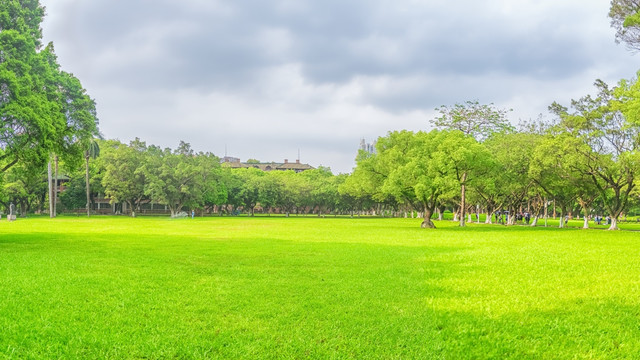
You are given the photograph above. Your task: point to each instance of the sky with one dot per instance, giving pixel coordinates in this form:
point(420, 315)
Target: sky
point(269, 80)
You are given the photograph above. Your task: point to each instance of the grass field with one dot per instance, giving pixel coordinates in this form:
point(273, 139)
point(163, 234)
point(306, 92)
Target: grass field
point(296, 288)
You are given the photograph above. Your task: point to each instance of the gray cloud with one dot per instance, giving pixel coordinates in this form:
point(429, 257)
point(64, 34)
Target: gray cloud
point(294, 65)
point(225, 46)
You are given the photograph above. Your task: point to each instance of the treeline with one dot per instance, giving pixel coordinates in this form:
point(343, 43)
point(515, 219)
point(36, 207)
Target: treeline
point(136, 175)
point(585, 162)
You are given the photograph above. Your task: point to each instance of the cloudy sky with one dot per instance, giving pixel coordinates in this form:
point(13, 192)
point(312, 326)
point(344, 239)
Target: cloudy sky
point(266, 79)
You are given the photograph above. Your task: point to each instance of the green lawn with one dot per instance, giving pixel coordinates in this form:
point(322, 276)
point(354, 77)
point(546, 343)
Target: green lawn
point(292, 288)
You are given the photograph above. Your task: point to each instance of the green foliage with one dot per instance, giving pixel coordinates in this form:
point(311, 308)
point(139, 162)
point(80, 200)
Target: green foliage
point(246, 188)
point(125, 178)
point(473, 118)
point(43, 110)
point(601, 139)
point(177, 178)
point(73, 197)
point(24, 186)
point(625, 19)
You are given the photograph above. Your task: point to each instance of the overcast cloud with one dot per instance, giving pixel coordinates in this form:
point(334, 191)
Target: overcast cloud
point(266, 78)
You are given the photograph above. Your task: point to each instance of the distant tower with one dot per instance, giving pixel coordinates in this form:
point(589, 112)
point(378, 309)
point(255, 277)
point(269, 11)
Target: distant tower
point(368, 147)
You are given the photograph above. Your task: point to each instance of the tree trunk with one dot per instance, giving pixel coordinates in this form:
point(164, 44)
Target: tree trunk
point(50, 189)
point(132, 209)
point(426, 222)
point(535, 221)
point(462, 199)
point(488, 219)
point(586, 210)
point(614, 223)
point(86, 178)
point(55, 190)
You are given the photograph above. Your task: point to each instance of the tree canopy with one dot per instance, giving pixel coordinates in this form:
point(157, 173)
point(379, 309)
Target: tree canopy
point(625, 19)
point(43, 109)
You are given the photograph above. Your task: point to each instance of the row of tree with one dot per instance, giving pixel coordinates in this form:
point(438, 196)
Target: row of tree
point(136, 175)
point(588, 155)
point(585, 161)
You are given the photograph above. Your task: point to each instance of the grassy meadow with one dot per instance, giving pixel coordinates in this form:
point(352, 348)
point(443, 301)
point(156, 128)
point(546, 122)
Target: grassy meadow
point(307, 287)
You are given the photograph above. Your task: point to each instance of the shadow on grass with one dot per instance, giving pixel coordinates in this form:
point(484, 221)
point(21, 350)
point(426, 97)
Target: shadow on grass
point(585, 328)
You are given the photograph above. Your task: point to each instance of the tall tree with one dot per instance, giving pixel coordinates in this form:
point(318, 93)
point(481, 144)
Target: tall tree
point(247, 191)
point(43, 110)
point(608, 142)
point(549, 170)
point(625, 19)
point(175, 177)
point(323, 191)
point(423, 178)
point(510, 175)
point(465, 158)
point(25, 127)
point(474, 119)
point(125, 177)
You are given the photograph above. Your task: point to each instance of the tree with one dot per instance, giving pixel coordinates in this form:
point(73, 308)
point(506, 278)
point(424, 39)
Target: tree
point(364, 184)
point(23, 186)
point(25, 129)
point(474, 119)
point(422, 178)
point(510, 174)
point(214, 190)
point(464, 158)
point(609, 137)
point(547, 170)
point(293, 191)
point(247, 192)
point(175, 177)
point(411, 168)
point(323, 193)
point(625, 19)
point(125, 178)
point(557, 153)
point(43, 110)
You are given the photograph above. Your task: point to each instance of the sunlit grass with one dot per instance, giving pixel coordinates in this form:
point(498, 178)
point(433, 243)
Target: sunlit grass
point(274, 287)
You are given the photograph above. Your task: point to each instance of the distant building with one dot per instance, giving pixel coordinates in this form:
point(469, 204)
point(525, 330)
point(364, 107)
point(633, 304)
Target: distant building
point(235, 163)
point(229, 159)
point(368, 147)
